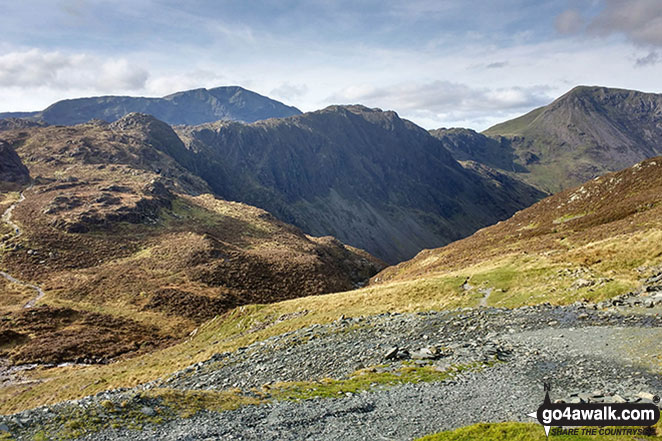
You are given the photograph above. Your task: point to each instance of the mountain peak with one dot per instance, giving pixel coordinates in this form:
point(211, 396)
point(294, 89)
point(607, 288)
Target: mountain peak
point(587, 132)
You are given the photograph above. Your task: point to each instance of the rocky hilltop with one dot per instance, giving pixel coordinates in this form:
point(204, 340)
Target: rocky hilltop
point(363, 175)
point(189, 107)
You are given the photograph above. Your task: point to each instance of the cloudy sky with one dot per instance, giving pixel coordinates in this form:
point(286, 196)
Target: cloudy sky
point(440, 63)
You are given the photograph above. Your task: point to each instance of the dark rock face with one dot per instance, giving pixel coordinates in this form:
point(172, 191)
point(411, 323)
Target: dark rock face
point(469, 145)
point(190, 107)
point(365, 176)
point(11, 168)
point(587, 132)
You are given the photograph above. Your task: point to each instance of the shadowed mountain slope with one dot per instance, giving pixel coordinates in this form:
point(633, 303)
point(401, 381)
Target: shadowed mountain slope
point(12, 170)
point(195, 106)
point(469, 145)
point(365, 176)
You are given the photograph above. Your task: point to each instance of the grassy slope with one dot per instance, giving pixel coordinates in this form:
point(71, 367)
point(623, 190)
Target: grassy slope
point(607, 231)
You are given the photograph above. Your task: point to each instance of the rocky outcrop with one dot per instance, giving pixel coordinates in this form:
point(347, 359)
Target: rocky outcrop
point(12, 169)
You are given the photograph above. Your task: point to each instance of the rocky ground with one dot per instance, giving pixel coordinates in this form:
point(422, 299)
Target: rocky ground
point(482, 364)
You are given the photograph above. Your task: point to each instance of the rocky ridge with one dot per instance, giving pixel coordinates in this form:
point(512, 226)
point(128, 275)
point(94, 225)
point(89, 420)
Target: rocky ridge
point(366, 176)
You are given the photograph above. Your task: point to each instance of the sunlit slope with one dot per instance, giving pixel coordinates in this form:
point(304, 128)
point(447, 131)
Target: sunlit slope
point(587, 242)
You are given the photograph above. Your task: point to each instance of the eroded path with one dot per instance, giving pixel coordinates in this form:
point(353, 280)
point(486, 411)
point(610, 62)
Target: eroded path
point(7, 218)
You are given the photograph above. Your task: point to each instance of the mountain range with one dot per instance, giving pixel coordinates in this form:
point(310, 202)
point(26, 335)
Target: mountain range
point(189, 107)
point(173, 272)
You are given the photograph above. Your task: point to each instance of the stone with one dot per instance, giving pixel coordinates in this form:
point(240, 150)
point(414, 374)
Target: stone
point(423, 354)
point(391, 353)
point(646, 396)
point(4, 428)
point(148, 411)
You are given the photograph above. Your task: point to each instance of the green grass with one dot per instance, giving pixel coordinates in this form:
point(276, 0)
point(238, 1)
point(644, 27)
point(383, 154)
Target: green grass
point(568, 217)
point(363, 380)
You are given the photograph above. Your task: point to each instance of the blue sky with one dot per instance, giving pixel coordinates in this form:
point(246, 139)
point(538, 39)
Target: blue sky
point(439, 63)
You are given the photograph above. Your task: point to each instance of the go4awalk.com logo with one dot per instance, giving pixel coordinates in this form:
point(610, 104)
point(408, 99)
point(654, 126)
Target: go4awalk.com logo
point(597, 418)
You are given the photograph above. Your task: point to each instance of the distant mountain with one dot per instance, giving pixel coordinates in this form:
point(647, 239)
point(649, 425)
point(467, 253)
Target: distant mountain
point(19, 123)
point(365, 176)
point(469, 145)
point(585, 133)
point(190, 107)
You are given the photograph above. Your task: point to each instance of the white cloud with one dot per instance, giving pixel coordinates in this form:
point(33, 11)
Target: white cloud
point(640, 21)
point(496, 65)
point(289, 91)
point(121, 75)
point(35, 68)
point(447, 101)
point(651, 59)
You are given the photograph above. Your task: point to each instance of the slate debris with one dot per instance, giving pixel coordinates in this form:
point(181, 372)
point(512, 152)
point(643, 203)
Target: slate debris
point(524, 347)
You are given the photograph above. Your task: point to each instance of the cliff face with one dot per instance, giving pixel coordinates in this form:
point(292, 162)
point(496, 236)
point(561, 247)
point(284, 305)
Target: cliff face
point(365, 176)
point(12, 170)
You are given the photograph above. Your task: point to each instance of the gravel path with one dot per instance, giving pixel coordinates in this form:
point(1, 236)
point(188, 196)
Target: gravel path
point(6, 217)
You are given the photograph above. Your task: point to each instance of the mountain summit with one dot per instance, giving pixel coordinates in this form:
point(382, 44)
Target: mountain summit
point(195, 106)
point(585, 133)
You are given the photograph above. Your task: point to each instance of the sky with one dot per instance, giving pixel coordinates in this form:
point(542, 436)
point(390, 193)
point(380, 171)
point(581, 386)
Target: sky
point(439, 63)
